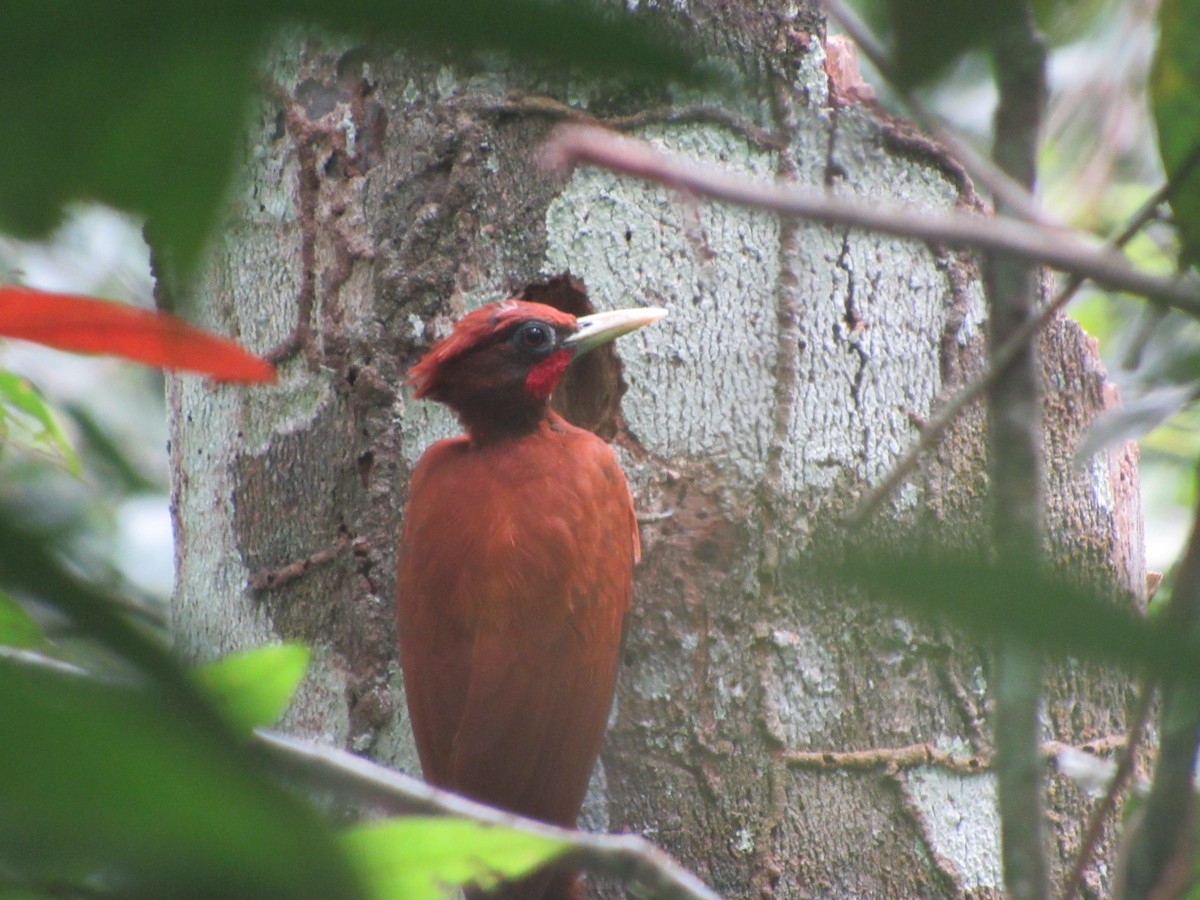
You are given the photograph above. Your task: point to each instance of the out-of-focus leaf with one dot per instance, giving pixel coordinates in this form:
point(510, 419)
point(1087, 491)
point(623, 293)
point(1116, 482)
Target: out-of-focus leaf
point(28, 564)
point(930, 35)
point(134, 104)
point(115, 790)
point(1168, 352)
point(254, 687)
point(107, 788)
point(1135, 418)
point(20, 394)
point(581, 36)
point(17, 627)
point(104, 453)
point(1066, 21)
point(420, 858)
point(88, 325)
point(139, 104)
point(1061, 21)
point(1192, 892)
point(1048, 611)
point(1090, 773)
point(1175, 97)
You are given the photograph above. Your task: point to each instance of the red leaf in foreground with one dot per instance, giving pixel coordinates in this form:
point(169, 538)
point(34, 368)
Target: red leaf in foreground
point(88, 325)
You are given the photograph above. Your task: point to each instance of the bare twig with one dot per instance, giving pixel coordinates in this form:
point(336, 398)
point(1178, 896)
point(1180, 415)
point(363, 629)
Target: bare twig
point(649, 518)
point(1095, 829)
point(24, 657)
point(626, 857)
point(1066, 251)
point(1015, 196)
point(303, 133)
point(913, 756)
point(272, 579)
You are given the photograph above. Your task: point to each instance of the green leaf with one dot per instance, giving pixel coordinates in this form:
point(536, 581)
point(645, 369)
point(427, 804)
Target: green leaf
point(30, 563)
point(253, 688)
point(17, 627)
point(1066, 21)
point(1134, 418)
point(20, 395)
point(1175, 98)
point(1049, 610)
point(140, 104)
point(575, 36)
point(930, 35)
point(420, 858)
point(110, 790)
point(133, 104)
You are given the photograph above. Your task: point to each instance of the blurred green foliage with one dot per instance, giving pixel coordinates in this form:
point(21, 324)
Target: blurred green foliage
point(17, 627)
point(416, 857)
point(110, 791)
point(1051, 611)
point(139, 104)
point(125, 784)
point(1175, 92)
point(254, 687)
point(927, 37)
point(26, 420)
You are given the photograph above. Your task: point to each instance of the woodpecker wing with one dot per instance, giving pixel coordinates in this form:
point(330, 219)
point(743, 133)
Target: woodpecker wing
point(515, 578)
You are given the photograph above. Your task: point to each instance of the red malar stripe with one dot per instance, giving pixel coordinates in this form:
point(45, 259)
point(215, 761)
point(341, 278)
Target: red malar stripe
point(88, 325)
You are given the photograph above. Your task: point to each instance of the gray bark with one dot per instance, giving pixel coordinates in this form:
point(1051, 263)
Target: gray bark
point(387, 195)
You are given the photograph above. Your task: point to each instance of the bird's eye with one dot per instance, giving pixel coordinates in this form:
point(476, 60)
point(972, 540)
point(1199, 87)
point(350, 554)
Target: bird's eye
point(534, 337)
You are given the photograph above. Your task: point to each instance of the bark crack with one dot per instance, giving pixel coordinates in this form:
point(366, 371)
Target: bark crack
point(853, 322)
point(787, 355)
point(766, 869)
point(323, 154)
point(972, 718)
point(308, 189)
point(833, 169)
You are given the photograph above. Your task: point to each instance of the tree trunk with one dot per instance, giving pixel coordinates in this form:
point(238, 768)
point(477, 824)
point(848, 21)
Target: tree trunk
point(383, 196)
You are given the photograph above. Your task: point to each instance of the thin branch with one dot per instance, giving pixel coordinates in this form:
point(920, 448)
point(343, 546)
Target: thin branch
point(24, 657)
point(649, 518)
point(1168, 816)
point(272, 579)
point(936, 426)
point(983, 170)
point(570, 144)
point(1116, 784)
point(1015, 460)
point(626, 857)
point(913, 756)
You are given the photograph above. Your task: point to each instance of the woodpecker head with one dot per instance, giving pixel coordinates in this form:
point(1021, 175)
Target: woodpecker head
point(500, 364)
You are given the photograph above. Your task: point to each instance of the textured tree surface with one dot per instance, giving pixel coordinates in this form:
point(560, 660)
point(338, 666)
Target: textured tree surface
point(383, 196)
